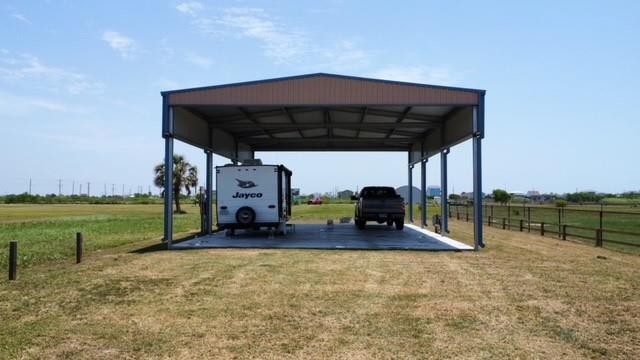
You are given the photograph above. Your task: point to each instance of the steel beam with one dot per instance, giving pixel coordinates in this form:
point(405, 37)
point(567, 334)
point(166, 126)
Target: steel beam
point(209, 193)
point(168, 179)
point(423, 192)
point(399, 120)
point(444, 192)
point(324, 138)
point(410, 194)
point(478, 118)
point(317, 125)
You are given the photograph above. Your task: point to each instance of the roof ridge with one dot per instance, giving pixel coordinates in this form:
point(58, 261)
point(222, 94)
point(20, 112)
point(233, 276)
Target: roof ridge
point(321, 74)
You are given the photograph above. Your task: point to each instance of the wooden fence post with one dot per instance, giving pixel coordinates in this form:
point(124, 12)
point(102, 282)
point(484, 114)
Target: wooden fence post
point(564, 232)
point(541, 229)
point(13, 260)
point(504, 223)
point(529, 219)
point(599, 237)
point(521, 224)
point(489, 220)
point(79, 247)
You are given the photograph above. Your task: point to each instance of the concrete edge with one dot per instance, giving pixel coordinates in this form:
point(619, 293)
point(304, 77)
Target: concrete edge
point(444, 239)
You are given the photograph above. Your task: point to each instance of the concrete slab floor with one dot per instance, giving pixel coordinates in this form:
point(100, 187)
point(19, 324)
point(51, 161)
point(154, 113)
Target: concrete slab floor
point(338, 236)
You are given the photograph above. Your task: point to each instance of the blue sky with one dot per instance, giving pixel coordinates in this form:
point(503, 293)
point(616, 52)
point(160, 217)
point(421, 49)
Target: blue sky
point(80, 84)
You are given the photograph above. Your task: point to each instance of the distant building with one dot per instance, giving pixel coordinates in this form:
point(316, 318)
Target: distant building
point(345, 194)
point(533, 193)
point(404, 192)
point(433, 191)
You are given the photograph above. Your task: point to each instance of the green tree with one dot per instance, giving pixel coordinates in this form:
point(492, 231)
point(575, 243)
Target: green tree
point(185, 176)
point(561, 203)
point(501, 196)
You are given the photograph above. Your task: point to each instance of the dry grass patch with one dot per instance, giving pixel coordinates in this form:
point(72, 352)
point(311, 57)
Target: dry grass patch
point(522, 297)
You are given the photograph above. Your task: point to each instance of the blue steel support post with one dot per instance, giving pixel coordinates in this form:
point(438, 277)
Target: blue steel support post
point(478, 134)
point(423, 192)
point(444, 193)
point(209, 193)
point(168, 174)
point(410, 192)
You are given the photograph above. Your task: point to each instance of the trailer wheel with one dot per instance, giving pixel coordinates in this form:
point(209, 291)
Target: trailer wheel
point(399, 224)
point(245, 216)
point(389, 222)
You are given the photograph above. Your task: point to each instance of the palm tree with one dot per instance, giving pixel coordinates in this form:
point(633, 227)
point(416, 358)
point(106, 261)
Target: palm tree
point(184, 175)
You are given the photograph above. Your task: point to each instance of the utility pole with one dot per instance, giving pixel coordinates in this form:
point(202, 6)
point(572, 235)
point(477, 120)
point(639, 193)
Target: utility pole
point(89, 189)
point(123, 190)
point(80, 193)
point(105, 190)
point(113, 189)
point(73, 187)
point(59, 187)
point(29, 186)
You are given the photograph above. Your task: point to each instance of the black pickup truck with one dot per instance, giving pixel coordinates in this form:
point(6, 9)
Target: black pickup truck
point(380, 204)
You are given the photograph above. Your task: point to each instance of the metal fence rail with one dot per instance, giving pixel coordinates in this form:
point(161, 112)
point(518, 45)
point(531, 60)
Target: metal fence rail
point(619, 228)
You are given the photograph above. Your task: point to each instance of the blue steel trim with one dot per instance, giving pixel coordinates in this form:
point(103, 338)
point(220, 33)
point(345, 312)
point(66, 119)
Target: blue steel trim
point(165, 116)
point(297, 77)
point(481, 115)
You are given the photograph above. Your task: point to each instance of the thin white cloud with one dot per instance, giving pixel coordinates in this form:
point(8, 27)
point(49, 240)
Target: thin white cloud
point(199, 60)
point(19, 16)
point(120, 43)
point(279, 43)
point(282, 43)
point(24, 67)
point(15, 105)
point(167, 84)
point(344, 56)
point(190, 7)
point(417, 74)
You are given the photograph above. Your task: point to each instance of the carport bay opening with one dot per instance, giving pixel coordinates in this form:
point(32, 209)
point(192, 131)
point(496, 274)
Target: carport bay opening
point(325, 112)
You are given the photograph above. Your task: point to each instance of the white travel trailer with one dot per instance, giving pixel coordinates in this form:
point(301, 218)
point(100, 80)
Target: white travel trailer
point(253, 196)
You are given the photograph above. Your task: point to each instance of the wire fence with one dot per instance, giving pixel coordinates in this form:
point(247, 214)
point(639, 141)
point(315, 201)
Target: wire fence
point(618, 230)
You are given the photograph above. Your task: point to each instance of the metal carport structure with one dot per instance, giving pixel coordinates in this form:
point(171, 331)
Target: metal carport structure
point(325, 112)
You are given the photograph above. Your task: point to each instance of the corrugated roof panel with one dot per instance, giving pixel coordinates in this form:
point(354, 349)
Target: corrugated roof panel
point(324, 89)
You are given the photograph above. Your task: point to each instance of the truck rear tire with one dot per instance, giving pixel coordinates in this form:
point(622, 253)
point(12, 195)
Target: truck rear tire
point(399, 224)
point(389, 222)
point(361, 224)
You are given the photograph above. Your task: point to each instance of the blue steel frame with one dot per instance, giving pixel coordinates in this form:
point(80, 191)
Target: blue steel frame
point(478, 135)
point(167, 134)
point(444, 192)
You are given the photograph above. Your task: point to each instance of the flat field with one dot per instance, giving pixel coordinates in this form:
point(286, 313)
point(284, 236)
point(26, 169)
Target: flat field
point(524, 296)
point(582, 221)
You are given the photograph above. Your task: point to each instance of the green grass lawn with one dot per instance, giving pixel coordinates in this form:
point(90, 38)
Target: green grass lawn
point(616, 218)
point(523, 296)
point(47, 232)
